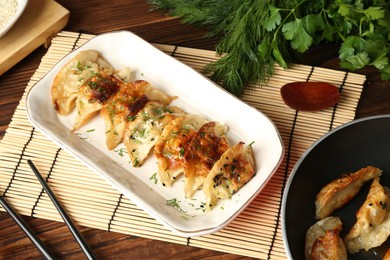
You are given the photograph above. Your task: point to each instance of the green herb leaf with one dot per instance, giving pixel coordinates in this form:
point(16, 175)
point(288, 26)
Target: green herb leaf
point(355, 62)
point(351, 46)
point(263, 49)
point(374, 13)
point(386, 72)
point(121, 151)
point(154, 178)
point(344, 9)
point(313, 22)
point(175, 203)
point(294, 31)
point(381, 62)
point(274, 19)
point(277, 55)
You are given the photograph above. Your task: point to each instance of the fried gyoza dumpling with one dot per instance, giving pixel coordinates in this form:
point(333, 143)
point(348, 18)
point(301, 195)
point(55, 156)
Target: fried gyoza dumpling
point(172, 144)
point(75, 73)
point(340, 191)
point(329, 246)
point(142, 133)
point(323, 240)
point(204, 150)
point(92, 95)
point(232, 171)
point(125, 105)
point(122, 107)
point(372, 226)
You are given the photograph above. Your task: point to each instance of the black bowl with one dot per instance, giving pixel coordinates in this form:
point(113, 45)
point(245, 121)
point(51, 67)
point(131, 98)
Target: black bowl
point(345, 149)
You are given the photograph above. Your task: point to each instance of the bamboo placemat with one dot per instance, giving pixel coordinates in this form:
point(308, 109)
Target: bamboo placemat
point(92, 202)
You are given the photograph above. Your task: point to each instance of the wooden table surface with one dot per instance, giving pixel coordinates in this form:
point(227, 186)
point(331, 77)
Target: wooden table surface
point(99, 16)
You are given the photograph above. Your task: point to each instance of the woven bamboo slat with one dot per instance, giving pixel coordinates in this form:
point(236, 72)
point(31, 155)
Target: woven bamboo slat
point(92, 202)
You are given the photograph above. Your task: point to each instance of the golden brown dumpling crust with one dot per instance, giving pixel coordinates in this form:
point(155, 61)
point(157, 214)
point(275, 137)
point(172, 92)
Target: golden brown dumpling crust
point(142, 133)
point(124, 107)
point(340, 191)
point(121, 108)
point(372, 226)
point(75, 73)
point(323, 241)
point(329, 247)
point(204, 150)
point(232, 171)
point(92, 95)
point(172, 144)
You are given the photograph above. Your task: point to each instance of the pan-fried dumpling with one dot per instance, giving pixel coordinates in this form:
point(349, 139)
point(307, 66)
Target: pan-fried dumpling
point(232, 171)
point(124, 74)
point(121, 108)
point(92, 95)
point(142, 133)
point(372, 226)
point(323, 240)
point(153, 93)
point(172, 144)
point(340, 191)
point(204, 150)
point(329, 246)
point(75, 73)
point(125, 105)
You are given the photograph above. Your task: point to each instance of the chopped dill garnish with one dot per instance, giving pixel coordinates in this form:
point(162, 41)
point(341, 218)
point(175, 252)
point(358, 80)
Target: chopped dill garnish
point(182, 152)
point(202, 207)
point(154, 178)
point(80, 136)
point(175, 203)
point(121, 151)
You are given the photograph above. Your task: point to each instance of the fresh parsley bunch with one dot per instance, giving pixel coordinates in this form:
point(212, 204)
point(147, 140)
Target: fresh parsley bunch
point(256, 34)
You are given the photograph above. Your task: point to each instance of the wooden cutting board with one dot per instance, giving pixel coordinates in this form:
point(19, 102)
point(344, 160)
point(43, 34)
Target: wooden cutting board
point(40, 21)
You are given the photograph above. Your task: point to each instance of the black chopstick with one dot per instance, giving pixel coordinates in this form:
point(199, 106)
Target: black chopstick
point(84, 246)
point(26, 229)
